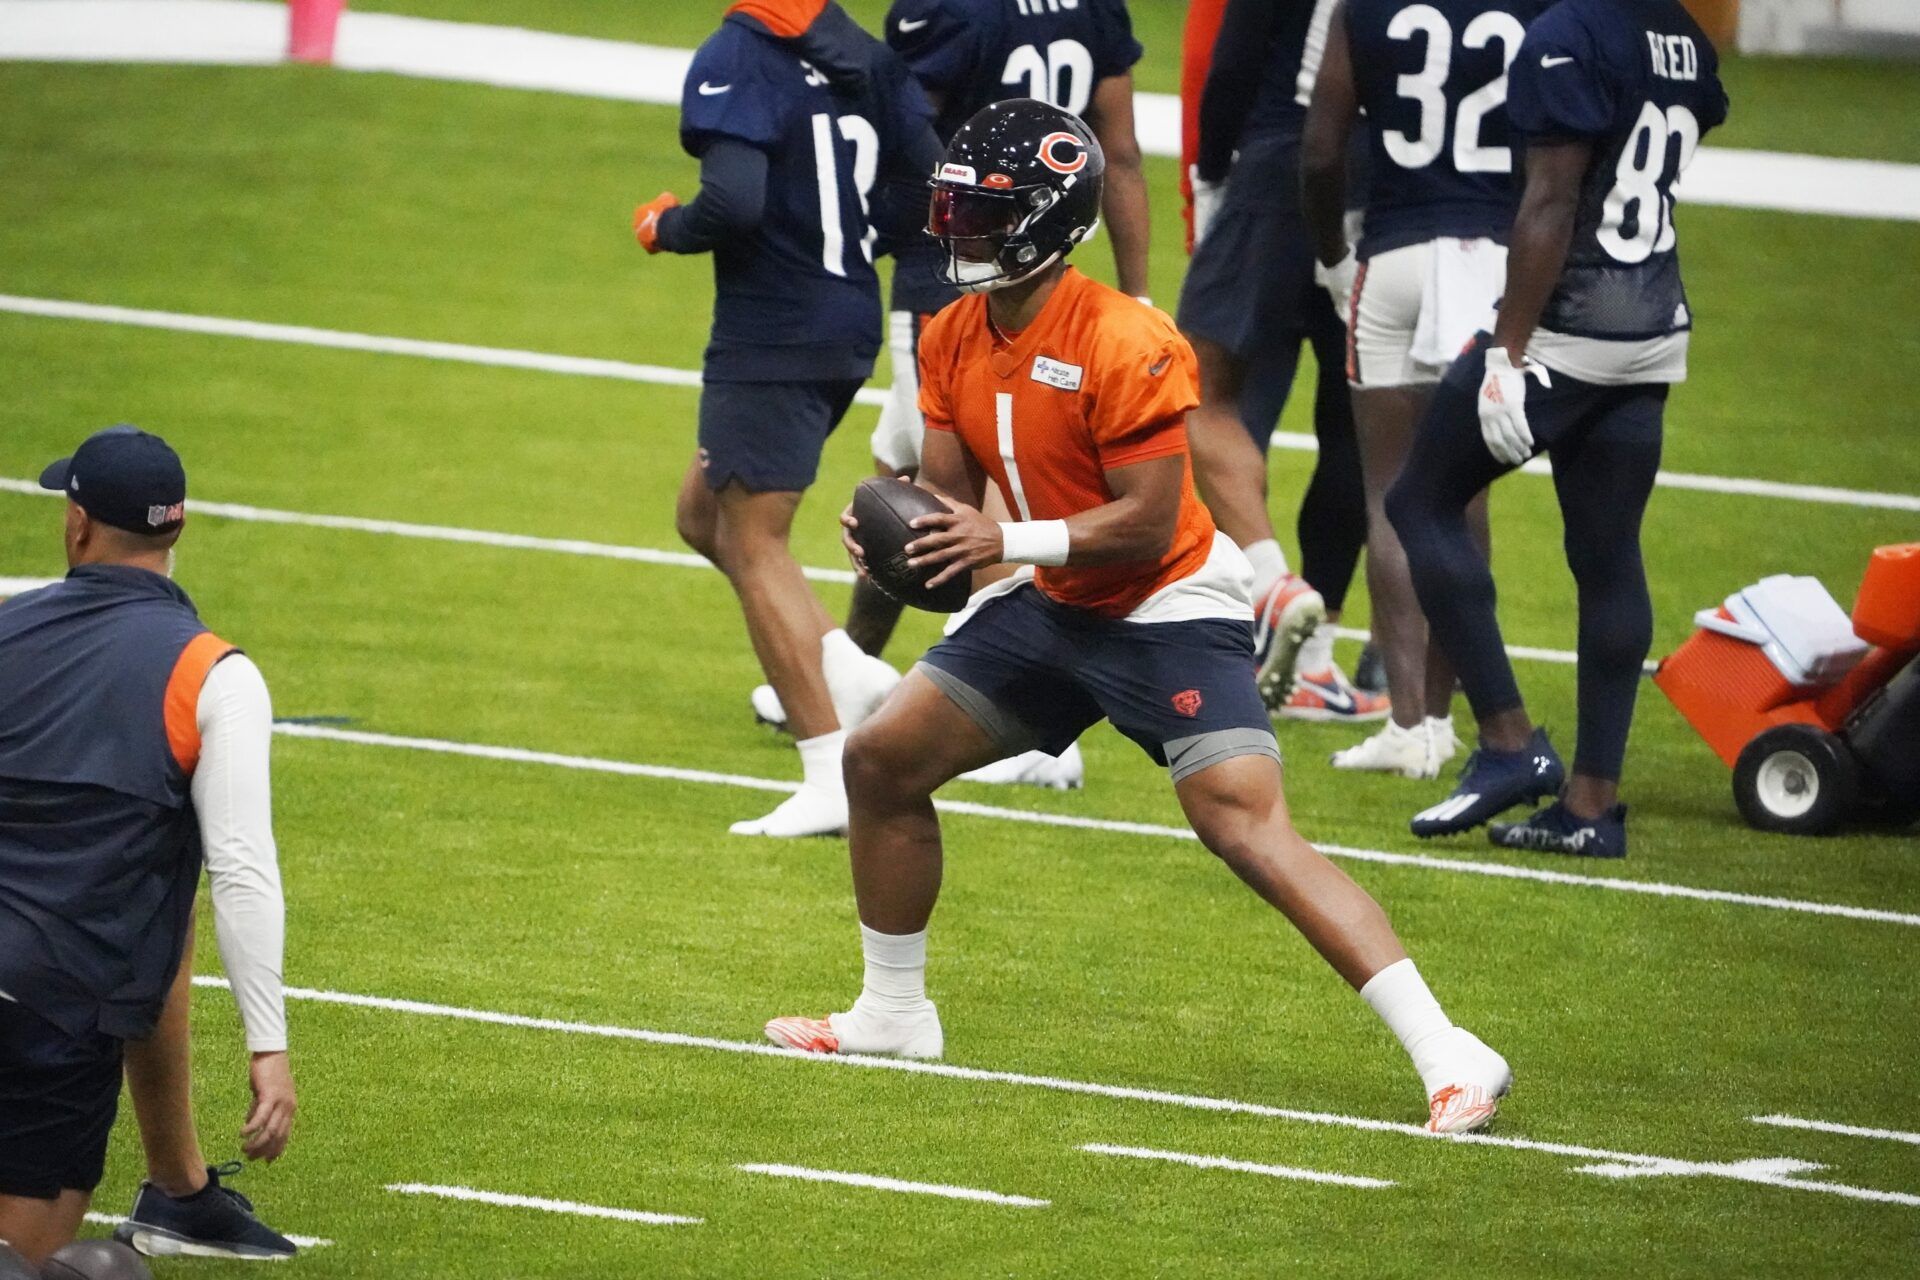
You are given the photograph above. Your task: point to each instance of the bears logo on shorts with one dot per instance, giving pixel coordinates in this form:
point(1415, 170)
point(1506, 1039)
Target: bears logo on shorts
point(1187, 702)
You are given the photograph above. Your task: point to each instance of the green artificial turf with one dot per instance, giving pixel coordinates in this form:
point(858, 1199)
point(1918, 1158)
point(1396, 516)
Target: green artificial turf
point(1639, 1024)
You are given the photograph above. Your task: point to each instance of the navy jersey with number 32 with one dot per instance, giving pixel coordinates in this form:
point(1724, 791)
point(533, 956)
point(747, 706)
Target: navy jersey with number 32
point(798, 298)
point(1432, 78)
point(1639, 81)
point(972, 53)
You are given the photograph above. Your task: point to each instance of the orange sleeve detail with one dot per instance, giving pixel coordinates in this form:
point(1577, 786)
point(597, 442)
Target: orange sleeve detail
point(1143, 400)
point(937, 342)
point(785, 18)
point(183, 696)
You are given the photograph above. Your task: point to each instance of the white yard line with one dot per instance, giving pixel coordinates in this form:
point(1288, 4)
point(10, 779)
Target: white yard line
point(877, 1183)
point(501, 1199)
point(251, 32)
point(594, 764)
point(1848, 1130)
point(114, 1220)
point(1740, 1171)
point(1238, 1166)
point(660, 375)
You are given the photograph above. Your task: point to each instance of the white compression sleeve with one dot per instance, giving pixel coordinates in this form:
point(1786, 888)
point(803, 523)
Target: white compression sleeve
point(233, 797)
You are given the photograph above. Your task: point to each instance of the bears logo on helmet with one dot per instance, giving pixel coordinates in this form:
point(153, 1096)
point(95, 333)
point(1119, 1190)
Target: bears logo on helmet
point(1050, 153)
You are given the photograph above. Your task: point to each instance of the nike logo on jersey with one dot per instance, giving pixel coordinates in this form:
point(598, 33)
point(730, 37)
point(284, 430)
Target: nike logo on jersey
point(708, 90)
point(1159, 366)
point(908, 28)
point(1555, 62)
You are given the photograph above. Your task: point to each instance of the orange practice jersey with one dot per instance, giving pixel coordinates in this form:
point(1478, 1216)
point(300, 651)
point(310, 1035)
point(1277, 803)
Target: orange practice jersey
point(1097, 382)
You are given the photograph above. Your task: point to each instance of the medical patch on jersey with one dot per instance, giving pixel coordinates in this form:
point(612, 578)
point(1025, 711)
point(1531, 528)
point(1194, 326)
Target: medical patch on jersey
point(1054, 373)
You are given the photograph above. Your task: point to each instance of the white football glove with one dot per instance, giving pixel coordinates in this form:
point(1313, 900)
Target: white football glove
point(1338, 281)
point(1503, 406)
point(1206, 202)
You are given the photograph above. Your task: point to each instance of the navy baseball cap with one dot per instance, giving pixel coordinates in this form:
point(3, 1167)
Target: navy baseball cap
point(124, 477)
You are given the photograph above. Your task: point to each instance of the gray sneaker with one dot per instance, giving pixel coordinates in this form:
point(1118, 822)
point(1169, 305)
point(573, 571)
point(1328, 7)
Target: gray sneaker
point(214, 1222)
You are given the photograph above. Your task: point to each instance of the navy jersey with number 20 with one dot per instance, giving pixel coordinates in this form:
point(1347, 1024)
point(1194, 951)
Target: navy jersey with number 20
point(798, 298)
point(1432, 78)
point(1639, 81)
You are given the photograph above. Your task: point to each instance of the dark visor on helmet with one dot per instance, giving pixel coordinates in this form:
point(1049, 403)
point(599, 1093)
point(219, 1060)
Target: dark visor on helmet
point(966, 213)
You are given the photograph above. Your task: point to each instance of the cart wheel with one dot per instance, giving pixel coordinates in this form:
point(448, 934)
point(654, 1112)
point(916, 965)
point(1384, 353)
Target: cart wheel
point(1796, 779)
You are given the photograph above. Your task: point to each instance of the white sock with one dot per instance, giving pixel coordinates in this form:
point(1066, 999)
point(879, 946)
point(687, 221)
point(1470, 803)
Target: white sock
point(1269, 565)
point(896, 977)
point(1316, 655)
point(820, 760)
point(1399, 995)
point(837, 649)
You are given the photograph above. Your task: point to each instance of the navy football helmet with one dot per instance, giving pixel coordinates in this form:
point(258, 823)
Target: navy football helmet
point(1019, 187)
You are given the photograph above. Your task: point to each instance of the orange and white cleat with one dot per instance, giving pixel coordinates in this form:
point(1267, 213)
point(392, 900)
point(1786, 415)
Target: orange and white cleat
point(1461, 1108)
point(865, 1029)
point(1465, 1087)
point(1328, 695)
point(1283, 621)
point(809, 1035)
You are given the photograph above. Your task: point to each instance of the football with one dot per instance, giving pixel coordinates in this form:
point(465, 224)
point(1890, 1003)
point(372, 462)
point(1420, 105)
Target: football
point(882, 506)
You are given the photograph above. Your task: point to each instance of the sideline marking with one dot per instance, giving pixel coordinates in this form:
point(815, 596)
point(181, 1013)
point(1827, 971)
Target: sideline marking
point(505, 1201)
point(1828, 1126)
point(878, 1183)
point(585, 366)
point(596, 764)
point(1238, 1166)
point(114, 1220)
point(239, 32)
point(1738, 1171)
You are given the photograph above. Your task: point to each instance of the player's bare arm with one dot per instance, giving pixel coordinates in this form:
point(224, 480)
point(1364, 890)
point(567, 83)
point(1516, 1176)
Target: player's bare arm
point(1138, 525)
point(1542, 232)
point(1124, 204)
point(1323, 146)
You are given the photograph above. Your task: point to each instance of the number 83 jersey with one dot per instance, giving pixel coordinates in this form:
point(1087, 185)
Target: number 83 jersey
point(1639, 81)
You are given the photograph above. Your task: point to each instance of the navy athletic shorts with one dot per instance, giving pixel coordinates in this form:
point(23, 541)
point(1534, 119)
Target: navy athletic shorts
point(1034, 673)
point(1250, 285)
point(58, 1095)
point(768, 435)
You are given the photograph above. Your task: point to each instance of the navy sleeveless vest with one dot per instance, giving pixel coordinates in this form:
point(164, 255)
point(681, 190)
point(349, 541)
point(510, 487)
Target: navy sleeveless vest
point(100, 680)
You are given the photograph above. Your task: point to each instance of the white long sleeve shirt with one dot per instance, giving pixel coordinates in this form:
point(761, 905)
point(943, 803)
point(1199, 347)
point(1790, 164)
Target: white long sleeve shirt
point(233, 796)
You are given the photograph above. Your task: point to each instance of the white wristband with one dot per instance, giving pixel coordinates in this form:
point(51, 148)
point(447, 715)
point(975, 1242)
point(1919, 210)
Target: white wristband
point(1041, 542)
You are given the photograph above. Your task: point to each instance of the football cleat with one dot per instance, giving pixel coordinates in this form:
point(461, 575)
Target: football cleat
point(1370, 672)
point(858, 683)
point(810, 811)
point(214, 1222)
point(766, 707)
point(1329, 696)
point(1493, 782)
point(1464, 1090)
point(1555, 829)
point(1068, 772)
point(1283, 621)
point(864, 1030)
point(1407, 752)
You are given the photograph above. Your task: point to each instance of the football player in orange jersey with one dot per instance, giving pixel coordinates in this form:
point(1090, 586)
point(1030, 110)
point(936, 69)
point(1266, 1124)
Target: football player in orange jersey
point(1071, 399)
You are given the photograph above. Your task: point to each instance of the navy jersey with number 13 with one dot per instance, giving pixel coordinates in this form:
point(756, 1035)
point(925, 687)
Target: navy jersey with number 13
point(798, 298)
point(1432, 78)
point(1639, 81)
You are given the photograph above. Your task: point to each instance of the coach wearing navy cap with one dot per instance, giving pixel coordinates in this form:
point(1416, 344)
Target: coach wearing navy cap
point(133, 744)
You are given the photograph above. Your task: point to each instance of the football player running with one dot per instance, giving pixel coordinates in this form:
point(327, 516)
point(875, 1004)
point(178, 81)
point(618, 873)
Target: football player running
point(1071, 400)
point(1249, 303)
point(1611, 100)
point(966, 54)
point(1430, 78)
point(794, 112)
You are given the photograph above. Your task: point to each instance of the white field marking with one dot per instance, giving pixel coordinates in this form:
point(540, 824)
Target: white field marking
point(502, 1200)
point(250, 33)
point(1737, 1171)
point(114, 1220)
point(593, 367)
point(595, 764)
point(1848, 1130)
point(878, 1183)
point(1238, 1166)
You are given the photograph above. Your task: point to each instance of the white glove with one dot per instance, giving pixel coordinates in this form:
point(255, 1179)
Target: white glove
point(1338, 281)
point(1206, 202)
point(1503, 406)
